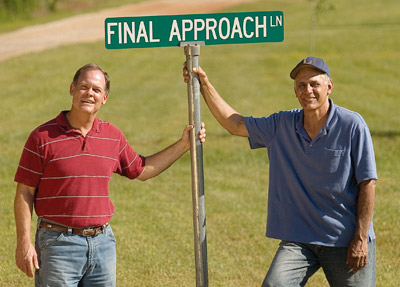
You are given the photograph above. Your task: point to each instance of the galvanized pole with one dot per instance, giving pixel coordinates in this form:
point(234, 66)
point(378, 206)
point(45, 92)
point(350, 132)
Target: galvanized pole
point(192, 52)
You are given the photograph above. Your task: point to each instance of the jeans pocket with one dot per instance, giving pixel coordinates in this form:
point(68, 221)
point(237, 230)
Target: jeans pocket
point(48, 237)
point(110, 233)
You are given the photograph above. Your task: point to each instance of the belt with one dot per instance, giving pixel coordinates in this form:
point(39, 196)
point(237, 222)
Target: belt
point(91, 231)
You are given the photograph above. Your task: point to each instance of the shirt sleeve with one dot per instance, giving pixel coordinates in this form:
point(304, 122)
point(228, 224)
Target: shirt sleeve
point(30, 168)
point(131, 164)
point(363, 154)
point(261, 130)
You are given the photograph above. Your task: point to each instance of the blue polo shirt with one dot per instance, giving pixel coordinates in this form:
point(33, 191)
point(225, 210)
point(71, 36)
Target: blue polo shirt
point(313, 184)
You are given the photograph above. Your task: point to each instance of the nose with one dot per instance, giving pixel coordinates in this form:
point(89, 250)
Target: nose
point(90, 92)
point(309, 89)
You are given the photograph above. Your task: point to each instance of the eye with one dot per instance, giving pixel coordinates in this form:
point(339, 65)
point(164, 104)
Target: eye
point(315, 85)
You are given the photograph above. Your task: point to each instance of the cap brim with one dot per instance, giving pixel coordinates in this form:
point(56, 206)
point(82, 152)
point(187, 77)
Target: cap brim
point(296, 70)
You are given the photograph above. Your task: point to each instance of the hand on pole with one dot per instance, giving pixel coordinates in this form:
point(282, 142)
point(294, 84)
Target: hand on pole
point(201, 134)
point(199, 71)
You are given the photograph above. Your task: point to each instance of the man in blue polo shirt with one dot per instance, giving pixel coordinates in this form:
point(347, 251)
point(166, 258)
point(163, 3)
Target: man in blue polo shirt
point(322, 181)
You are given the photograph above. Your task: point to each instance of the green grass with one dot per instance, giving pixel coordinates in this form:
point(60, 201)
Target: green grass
point(148, 101)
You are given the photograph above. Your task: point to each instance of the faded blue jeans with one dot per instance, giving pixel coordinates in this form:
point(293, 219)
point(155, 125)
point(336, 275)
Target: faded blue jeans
point(75, 260)
point(295, 263)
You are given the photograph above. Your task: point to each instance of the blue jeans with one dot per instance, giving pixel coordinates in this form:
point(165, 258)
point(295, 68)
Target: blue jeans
point(294, 263)
point(75, 260)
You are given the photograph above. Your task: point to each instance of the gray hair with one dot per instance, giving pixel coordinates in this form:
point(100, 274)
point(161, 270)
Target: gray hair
point(325, 75)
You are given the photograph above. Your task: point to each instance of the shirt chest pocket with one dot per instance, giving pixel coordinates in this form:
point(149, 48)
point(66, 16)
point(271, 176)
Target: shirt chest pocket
point(330, 159)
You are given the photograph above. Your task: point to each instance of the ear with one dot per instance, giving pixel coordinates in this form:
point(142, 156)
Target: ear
point(71, 89)
point(294, 89)
point(330, 87)
point(105, 98)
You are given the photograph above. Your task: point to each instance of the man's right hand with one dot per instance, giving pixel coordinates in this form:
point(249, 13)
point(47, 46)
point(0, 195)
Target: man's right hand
point(228, 118)
point(26, 258)
point(199, 71)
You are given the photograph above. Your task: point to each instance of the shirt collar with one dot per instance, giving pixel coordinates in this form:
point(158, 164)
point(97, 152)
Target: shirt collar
point(332, 117)
point(330, 122)
point(62, 121)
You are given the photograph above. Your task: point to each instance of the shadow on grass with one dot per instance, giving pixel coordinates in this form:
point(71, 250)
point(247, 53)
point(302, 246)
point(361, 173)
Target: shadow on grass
point(385, 134)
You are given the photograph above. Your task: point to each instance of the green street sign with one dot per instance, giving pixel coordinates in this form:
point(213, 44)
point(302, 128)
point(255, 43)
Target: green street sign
point(213, 29)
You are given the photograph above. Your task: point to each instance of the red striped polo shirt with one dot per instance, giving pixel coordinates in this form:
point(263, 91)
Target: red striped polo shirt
point(71, 172)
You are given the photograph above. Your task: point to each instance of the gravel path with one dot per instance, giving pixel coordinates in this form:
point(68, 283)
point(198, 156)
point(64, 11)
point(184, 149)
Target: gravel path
point(90, 27)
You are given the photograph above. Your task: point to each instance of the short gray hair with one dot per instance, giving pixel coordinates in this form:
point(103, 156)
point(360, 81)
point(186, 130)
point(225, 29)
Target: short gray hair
point(325, 75)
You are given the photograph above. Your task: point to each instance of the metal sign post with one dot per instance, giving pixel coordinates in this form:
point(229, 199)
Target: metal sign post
point(192, 52)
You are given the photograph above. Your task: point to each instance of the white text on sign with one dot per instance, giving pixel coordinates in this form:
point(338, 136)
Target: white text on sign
point(213, 29)
point(222, 29)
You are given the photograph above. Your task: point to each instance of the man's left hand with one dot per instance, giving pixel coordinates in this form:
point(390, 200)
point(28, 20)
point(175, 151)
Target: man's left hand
point(357, 254)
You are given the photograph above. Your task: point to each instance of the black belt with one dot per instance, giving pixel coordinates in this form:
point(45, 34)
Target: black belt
point(91, 231)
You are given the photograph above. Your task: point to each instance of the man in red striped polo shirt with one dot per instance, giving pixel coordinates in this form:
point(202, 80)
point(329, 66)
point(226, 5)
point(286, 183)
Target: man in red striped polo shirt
point(64, 172)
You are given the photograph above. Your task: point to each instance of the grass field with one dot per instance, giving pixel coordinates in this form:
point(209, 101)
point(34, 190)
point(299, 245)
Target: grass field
point(153, 220)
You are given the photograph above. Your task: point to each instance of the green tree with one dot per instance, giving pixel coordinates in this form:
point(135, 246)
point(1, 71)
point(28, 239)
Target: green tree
point(318, 7)
point(16, 9)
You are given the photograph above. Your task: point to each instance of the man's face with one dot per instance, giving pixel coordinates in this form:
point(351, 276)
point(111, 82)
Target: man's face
point(89, 92)
point(312, 89)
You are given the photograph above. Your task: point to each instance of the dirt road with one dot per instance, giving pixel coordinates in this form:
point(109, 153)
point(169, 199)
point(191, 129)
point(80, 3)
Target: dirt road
point(90, 27)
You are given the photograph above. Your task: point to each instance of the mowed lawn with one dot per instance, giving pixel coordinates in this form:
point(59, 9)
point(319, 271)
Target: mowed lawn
point(359, 40)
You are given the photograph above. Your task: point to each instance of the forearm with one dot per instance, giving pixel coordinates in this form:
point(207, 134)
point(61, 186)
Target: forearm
point(357, 253)
point(23, 208)
point(365, 209)
point(228, 118)
point(25, 255)
point(157, 163)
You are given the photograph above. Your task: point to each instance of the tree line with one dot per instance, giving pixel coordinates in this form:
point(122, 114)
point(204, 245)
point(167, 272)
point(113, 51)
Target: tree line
point(23, 8)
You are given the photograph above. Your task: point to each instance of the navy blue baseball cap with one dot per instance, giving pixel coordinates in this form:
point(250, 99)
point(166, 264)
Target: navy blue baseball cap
point(313, 62)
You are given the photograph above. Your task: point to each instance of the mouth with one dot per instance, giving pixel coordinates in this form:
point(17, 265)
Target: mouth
point(87, 102)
